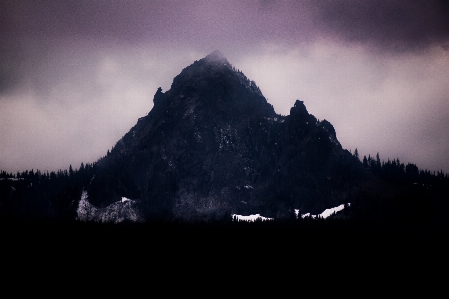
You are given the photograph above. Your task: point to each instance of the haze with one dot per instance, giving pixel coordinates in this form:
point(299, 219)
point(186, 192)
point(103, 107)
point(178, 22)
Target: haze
point(76, 75)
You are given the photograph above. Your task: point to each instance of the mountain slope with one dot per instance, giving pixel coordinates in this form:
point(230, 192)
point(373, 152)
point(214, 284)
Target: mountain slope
point(212, 146)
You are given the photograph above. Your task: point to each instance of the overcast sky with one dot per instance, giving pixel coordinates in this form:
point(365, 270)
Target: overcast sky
point(76, 75)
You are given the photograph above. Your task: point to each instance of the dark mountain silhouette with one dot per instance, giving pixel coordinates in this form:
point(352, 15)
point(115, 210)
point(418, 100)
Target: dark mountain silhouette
point(212, 146)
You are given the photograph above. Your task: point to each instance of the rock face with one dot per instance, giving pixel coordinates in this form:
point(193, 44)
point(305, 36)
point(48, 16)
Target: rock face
point(212, 146)
point(124, 210)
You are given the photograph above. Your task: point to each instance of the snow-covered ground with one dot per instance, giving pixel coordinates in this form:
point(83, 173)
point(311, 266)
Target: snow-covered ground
point(126, 209)
point(250, 218)
point(326, 213)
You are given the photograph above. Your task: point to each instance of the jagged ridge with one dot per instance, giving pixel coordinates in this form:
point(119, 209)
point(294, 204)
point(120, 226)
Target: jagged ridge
point(213, 146)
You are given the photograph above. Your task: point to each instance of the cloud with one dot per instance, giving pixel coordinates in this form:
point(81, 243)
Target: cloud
point(83, 106)
point(397, 25)
point(394, 105)
point(76, 75)
point(32, 31)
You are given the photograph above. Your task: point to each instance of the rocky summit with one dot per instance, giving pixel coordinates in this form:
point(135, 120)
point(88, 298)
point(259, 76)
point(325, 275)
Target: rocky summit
point(212, 146)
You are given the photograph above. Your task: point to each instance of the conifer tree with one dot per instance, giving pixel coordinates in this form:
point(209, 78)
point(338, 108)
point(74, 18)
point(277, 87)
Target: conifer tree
point(356, 153)
point(365, 162)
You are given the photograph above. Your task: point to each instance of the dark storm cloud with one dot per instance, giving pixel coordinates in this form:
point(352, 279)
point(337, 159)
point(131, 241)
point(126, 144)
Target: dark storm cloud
point(397, 25)
point(388, 22)
point(30, 28)
point(34, 33)
point(97, 19)
point(75, 75)
point(124, 21)
point(9, 70)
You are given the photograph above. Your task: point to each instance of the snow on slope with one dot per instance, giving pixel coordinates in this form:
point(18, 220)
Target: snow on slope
point(126, 209)
point(326, 213)
point(250, 218)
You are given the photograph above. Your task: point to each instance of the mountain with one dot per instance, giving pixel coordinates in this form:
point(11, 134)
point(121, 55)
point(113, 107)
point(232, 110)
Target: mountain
point(213, 146)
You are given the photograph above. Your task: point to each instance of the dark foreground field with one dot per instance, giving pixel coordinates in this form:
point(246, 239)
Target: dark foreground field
point(287, 237)
point(256, 256)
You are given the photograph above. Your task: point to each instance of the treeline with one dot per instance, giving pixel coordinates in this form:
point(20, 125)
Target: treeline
point(55, 194)
point(31, 174)
point(411, 196)
point(395, 171)
point(41, 194)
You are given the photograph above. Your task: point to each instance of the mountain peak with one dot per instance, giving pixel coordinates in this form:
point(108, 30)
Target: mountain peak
point(216, 56)
point(212, 145)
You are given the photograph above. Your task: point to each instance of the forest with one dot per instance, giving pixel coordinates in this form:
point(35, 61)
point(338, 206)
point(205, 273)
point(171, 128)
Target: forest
point(418, 212)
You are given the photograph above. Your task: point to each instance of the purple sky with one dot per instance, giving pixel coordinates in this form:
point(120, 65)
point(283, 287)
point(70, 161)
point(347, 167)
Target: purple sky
point(76, 75)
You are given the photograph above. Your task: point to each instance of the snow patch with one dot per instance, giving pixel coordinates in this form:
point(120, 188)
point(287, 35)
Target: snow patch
point(307, 215)
point(250, 218)
point(331, 211)
point(326, 213)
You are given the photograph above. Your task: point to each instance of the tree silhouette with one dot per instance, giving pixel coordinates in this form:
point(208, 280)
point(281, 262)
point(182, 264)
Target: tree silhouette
point(356, 153)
